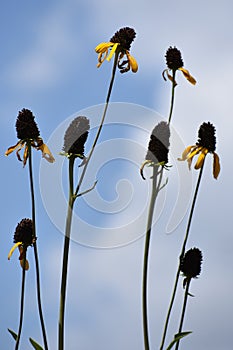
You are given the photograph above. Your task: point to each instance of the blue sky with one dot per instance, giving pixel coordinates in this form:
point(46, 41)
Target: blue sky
point(48, 65)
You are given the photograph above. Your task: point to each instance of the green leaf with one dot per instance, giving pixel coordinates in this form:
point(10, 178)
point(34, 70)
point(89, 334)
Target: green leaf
point(35, 345)
point(177, 337)
point(14, 335)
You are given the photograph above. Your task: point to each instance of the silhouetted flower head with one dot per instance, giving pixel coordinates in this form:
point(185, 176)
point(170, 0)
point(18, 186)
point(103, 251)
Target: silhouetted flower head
point(23, 237)
point(76, 136)
point(26, 126)
point(173, 58)
point(174, 62)
point(158, 146)
point(190, 264)
point(29, 136)
point(120, 44)
point(206, 144)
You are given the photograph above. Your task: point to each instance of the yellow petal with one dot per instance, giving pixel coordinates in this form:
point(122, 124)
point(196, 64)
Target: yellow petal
point(216, 166)
point(113, 50)
point(25, 155)
point(188, 75)
point(195, 151)
point(13, 249)
point(103, 47)
point(46, 153)
point(132, 62)
point(12, 148)
point(201, 159)
point(185, 153)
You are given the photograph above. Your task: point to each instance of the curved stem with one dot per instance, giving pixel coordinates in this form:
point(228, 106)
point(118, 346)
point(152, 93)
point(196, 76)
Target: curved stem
point(173, 96)
point(183, 309)
point(181, 255)
point(22, 302)
point(155, 190)
point(35, 249)
point(101, 123)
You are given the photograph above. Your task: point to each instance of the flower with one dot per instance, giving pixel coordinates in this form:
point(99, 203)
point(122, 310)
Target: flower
point(174, 62)
point(206, 144)
point(28, 135)
point(158, 146)
point(23, 238)
point(120, 43)
point(190, 264)
point(75, 137)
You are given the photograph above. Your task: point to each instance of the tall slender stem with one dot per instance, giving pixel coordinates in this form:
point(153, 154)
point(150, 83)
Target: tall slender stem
point(172, 96)
point(154, 193)
point(181, 256)
point(72, 197)
point(35, 249)
point(101, 123)
point(183, 309)
point(22, 301)
point(66, 255)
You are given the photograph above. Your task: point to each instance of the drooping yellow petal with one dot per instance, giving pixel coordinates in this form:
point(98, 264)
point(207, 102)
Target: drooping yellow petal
point(12, 148)
point(194, 152)
point(113, 50)
point(103, 47)
point(25, 155)
point(187, 75)
point(132, 62)
point(216, 165)
point(201, 159)
point(185, 153)
point(101, 59)
point(46, 153)
point(13, 249)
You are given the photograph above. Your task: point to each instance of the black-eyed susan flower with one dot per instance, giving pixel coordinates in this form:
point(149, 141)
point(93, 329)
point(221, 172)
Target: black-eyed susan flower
point(158, 147)
point(120, 43)
point(206, 144)
point(174, 62)
point(190, 264)
point(75, 137)
point(23, 238)
point(28, 134)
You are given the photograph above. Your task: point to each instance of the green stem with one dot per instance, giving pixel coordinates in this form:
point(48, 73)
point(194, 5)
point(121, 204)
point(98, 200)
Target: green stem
point(72, 196)
point(35, 249)
point(181, 256)
point(22, 301)
point(154, 193)
point(173, 96)
point(66, 255)
point(101, 123)
point(183, 309)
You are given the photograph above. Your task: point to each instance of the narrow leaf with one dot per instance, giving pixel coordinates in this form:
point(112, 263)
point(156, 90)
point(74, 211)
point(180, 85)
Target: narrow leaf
point(177, 337)
point(14, 335)
point(35, 345)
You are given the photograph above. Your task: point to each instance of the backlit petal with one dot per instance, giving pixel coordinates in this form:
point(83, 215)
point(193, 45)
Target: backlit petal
point(113, 50)
point(185, 153)
point(195, 151)
point(103, 47)
point(25, 264)
point(13, 249)
point(216, 166)
point(188, 75)
point(132, 62)
point(46, 153)
point(201, 158)
point(12, 148)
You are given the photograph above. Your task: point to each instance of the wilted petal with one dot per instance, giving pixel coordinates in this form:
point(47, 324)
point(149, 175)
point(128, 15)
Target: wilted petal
point(185, 153)
point(195, 151)
point(201, 159)
point(25, 155)
point(216, 165)
point(13, 249)
point(24, 264)
point(113, 50)
point(188, 75)
point(46, 153)
point(12, 148)
point(132, 62)
point(103, 47)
